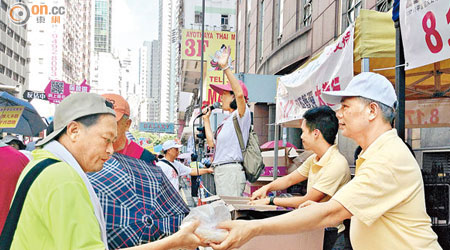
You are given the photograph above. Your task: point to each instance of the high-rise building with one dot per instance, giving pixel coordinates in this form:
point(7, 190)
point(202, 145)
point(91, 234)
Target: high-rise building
point(14, 52)
point(60, 47)
point(149, 82)
point(102, 25)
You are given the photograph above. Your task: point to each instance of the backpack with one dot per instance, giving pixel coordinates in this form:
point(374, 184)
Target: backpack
point(253, 161)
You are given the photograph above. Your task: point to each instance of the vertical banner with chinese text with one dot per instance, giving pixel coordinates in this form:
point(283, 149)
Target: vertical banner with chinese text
point(302, 89)
point(214, 43)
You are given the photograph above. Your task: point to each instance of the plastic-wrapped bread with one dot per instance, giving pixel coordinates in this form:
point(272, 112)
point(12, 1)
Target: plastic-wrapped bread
point(209, 216)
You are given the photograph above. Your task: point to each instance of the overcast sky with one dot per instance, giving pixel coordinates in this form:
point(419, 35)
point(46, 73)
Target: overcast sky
point(133, 22)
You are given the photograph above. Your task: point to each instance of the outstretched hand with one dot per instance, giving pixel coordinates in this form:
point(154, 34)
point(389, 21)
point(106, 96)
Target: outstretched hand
point(239, 232)
point(186, 237)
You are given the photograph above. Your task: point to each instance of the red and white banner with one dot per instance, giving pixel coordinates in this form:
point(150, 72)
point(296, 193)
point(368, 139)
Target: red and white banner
point(425, 29)
point(302, 89)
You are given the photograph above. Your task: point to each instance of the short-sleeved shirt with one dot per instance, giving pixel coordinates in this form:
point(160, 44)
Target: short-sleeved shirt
point(133, 149)
point(327, 174)
point(227, 148)
point(12, 162)
point(57, 212)
point(172, 174)
point(386, 198)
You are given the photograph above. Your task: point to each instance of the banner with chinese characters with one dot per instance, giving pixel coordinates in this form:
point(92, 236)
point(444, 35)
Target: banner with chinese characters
point(56, 90)
point(427, 113)
point(215, 42)
point(9, 116)
point(156, 127)
point(302, 89)
point(425, 29)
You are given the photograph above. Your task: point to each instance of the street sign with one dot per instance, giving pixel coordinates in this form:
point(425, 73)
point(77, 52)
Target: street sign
point(425, 29)
point(30, 95)
point(155, 127)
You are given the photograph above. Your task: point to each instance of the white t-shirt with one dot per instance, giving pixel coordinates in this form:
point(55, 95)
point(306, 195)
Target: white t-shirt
point(170, 172)
point(227, 143)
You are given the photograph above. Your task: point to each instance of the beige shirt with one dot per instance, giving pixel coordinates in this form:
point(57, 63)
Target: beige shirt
point(386, 198)
point(328, 174)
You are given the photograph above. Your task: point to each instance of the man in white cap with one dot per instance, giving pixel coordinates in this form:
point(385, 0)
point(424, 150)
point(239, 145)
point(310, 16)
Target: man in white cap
point(60, 209)
point(173, 168)
point(385, 199)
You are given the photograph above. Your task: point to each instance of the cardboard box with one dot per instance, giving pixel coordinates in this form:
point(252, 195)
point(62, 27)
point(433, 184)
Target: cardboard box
point(268, 171)
point(250, 188)
point(310, 240)
point(269, 158)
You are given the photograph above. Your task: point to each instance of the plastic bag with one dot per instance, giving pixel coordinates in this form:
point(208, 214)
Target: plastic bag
point(209, 216)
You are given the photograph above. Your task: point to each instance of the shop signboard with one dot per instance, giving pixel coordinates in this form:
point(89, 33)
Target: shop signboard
point(215, 42)
point(156, 127)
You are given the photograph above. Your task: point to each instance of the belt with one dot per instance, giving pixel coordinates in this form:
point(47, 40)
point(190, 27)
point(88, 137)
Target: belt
point(225, 163)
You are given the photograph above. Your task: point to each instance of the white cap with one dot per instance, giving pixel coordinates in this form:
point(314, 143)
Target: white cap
point(9, 138)
point(369, 85)
point(170, 144)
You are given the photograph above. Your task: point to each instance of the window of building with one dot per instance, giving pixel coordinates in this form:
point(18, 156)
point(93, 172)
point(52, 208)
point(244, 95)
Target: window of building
point(10, 32)
point(22, 61)
point(384, 5)
point(278, 24)
point(224, 19)
point(15, 77)
point(307, 13)
point(16, 57)
point(21, 80)
point(23, 42)
point(2, 47)
point(261, 29)
point(2, 69)
point(4, 5)
point(2, 26)
point(198, 17)
point(8, 73)
point(16, 37)
point(9, 52)
point(350, 11)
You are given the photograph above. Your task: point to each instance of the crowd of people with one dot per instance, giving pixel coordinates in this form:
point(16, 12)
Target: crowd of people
point(75, 189)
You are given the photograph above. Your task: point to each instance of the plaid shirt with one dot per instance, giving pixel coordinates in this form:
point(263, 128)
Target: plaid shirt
point(139, 203)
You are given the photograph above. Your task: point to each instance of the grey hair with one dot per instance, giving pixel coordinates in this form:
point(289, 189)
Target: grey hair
point(388, 112)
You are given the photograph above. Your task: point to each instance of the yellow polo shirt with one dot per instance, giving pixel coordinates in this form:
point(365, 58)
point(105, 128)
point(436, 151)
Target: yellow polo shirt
point(328, 174)
point(386, 198)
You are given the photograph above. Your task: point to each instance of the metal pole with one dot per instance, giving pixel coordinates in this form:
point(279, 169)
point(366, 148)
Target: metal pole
point(202, 57)
point(200, 150)
point(275, 149)
point(399, 82)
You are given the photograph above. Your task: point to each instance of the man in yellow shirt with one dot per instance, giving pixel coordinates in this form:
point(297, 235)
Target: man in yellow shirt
point(385, 199)
point(326, 170)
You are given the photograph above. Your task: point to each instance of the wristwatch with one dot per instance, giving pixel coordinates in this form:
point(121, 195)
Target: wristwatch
point(271, 200)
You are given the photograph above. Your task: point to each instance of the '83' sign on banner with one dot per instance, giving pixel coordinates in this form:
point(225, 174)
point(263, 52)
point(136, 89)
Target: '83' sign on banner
point(425, 29)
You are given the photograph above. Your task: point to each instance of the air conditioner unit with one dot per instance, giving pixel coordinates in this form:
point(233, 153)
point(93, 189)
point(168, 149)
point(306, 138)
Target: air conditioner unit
point(225, 27)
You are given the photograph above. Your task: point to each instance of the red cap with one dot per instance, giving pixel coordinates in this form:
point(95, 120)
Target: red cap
point(121, 106)
point(219, 88)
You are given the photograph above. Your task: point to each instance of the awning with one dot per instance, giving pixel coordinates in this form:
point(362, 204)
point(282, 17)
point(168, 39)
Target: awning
point(375, 45)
